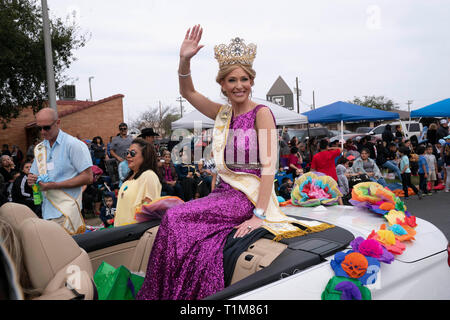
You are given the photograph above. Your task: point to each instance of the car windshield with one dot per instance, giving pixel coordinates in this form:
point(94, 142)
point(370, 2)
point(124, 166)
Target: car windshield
point(363, 129)
point(379, 130)
point(299, 133)
point(414, 127)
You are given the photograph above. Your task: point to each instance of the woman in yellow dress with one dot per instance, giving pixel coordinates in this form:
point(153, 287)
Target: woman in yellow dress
point(142, 183)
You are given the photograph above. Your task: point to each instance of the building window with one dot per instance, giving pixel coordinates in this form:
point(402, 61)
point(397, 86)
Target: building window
point(279, 100)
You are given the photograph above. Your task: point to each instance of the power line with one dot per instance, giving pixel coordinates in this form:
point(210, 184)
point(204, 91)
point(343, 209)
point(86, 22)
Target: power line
point(309, 105)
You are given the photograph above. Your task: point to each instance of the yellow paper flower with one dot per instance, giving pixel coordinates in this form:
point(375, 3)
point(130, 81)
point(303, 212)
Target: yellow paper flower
point(393, 215)
point(387, 237)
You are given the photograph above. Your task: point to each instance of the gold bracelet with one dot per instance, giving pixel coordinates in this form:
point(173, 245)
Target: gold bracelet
point(184, 75)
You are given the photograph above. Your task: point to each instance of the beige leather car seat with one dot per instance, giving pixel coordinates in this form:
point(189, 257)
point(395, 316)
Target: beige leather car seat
point(56, 265)
point(143, 249)
point(15, 214)
point(258, 256)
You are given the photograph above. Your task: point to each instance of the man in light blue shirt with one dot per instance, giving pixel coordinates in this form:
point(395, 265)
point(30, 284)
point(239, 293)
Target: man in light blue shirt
point(69, 163)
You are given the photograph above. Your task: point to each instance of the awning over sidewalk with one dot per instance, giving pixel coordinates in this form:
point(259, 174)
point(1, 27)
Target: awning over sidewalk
point(283, 116)
point(437, 109)
point(344, 111)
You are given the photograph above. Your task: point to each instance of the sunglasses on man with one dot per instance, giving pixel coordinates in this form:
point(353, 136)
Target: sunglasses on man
point(46, 128)
point(123, 128)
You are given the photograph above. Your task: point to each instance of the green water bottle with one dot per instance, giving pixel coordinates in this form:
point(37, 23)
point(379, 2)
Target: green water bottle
point(37, 194)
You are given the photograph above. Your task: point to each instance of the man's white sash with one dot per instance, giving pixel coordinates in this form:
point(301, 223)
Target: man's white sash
point(62, 201)
point(276, 221)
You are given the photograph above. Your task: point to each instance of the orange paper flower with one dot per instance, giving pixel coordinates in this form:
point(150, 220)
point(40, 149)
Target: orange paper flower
point(409, 236)
point(387, 206)
point(355, 265)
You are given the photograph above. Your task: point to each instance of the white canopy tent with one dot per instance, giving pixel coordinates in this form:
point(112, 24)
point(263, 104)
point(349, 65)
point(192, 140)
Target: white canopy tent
point(283, 116)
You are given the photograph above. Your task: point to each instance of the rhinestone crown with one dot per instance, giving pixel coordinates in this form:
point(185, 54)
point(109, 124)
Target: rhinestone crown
point(237, 52)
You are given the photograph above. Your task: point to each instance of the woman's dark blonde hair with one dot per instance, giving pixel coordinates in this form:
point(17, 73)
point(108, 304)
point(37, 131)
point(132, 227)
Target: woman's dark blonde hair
point(226, 70)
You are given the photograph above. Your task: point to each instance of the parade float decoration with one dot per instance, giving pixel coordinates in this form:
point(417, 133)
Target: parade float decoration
point(314, 189)
point(358, 268)
point(147, 211)
point(156, 209)
point(376, 198)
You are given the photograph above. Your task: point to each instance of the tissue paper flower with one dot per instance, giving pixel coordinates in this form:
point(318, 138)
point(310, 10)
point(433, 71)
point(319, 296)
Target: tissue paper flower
point(387, 239)
point(372, 248)
point(354, 265)
point(394, 215)
point(403, 232)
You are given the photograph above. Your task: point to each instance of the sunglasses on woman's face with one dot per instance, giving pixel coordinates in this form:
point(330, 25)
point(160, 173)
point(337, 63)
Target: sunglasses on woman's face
point(131, 153)
point(46, 128)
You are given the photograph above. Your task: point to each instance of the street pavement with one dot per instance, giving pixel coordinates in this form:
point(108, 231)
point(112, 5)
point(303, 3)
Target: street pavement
point(434, 209)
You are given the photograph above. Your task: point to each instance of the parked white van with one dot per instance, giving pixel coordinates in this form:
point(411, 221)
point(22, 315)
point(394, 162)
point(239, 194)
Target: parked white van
point(409, 128)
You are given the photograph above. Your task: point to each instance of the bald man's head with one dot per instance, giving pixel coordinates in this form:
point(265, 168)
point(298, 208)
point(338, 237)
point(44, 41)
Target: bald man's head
point(48, 122)
point(47, 114)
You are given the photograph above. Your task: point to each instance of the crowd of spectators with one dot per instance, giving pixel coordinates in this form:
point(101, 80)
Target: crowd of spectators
point(365, 158)
point(360, 159)
point(186, 179)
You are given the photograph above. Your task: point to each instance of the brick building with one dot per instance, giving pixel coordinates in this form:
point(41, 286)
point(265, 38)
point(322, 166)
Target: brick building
point(82, 119)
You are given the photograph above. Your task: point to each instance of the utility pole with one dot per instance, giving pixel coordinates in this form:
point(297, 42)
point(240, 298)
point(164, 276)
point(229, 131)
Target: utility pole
point(314, 101)
point(409, 113)
point(297, 91)
point(181, 100)
point(160, 119)
point(90, 88)
point(409, 105)
point(48, 56)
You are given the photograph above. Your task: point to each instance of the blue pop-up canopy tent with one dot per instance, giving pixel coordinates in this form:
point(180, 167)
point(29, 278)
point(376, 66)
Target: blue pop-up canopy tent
point(343, 111)
point(437, 109)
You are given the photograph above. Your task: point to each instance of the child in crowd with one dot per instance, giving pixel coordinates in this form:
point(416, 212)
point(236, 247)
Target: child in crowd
point(9, 191)
point(406, 172)
point(446, 151)
point(210, 167)
point(295, 163)
point(432, 166)
point(286, 188)
point(423, 170)
point(108, 211)
point(123, 171)
point(342, 174)
point(278, 181)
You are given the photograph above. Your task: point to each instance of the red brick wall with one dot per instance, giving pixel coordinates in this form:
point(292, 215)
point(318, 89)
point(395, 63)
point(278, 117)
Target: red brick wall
point(100, 120)
point(16, 133)
point(78, 118)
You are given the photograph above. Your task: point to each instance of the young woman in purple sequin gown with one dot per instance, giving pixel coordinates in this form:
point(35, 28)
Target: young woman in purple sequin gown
point(186, 261)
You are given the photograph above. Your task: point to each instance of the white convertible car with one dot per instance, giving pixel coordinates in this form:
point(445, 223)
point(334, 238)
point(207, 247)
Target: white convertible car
point(296, 268)
point(421, 272)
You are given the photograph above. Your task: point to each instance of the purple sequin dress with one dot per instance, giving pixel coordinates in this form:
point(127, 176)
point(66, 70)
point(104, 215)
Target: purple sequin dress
point(186, 261)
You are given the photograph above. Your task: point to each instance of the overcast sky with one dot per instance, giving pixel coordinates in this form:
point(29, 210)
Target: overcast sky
point(338, 49)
